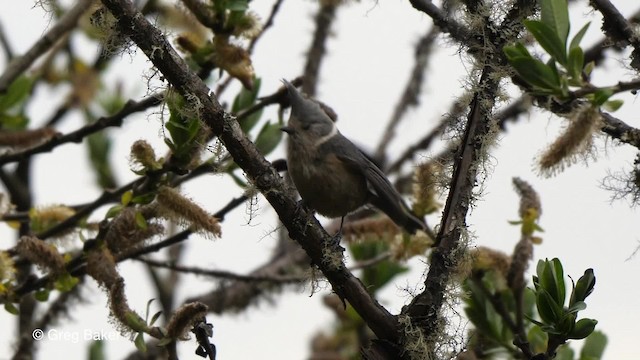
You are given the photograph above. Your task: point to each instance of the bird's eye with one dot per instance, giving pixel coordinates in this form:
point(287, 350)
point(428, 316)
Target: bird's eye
point(306, 126)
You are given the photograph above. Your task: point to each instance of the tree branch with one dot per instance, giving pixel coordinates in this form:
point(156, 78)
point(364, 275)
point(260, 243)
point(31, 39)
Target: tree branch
point(441, 19)
point(412, 89)
point(324, 19)
point(77, 136)
point(618, 28)
point(63, 26)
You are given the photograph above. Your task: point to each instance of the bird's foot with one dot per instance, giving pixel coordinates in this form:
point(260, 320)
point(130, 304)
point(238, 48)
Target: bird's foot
point(335, 242)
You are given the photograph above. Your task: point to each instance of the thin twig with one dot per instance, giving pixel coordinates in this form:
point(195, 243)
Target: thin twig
point(618, 28)
point(77, 136)
point(412, 89)
point(6, 46)
point(425, 308)
point(266, 26)
point(223, 274)
point(441, 19)
point(20, 64)
point(324, 19)
point(203, 12)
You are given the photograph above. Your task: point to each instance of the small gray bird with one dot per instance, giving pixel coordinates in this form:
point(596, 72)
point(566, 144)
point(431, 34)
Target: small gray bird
point(331, 174)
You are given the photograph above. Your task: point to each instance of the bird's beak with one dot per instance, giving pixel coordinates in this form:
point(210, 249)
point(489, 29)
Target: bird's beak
point(287, 129)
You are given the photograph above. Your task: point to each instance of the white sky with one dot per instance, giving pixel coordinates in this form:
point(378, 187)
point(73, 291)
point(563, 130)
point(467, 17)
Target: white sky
point(366, 69)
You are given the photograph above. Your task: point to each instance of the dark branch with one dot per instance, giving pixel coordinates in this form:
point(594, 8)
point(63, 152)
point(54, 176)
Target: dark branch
point(20, 64)
point(324, 19)
point(301, 225)
point(441, 19)
point(412, 89)
point(618, 28)
point(77, 136)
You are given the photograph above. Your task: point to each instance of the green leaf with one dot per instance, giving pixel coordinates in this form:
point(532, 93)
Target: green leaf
point(141, 222)
point(247, 123)
point(536, 73)
point(11, 308)
point(114, 211)
point(564, 353)
point(589, 67)
point(566, 324)
point(584, 287)
point(575, 42)
point(148, 309)
point(42, 295)
point(144, 198)
point(99, 145)
point(13, 122)
point(551, 279)
point(613, 105)
point(558, 272)
point(555, 14)
point(139, 342)
point(548, 39)
point(65, 282)
point(583, 328)
point(537, 339)
point(237, 179)
point(516, 51)
point(165, 341)
point(550, 312)
point(237, 5)
point(480, 311)
point(246, 98)
point(17, 93)
point(154, 318)
point(594, 346)
point(96, 350)
point(268, 138)
point(135, 322)
point(378, 276)
point(126, 197)
point(575, 64)
point(601, 96)
point(578, 306)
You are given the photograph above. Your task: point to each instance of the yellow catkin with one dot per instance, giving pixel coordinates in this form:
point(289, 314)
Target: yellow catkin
point(125, 233)
point(576, 140)
point(44, 255)
point(175, 206)
point(424, 189)
point(484, 259)
point(235, 60)
point(184, 318)
point(522, 255)
point(529, 198)
point(102, 267)
point(25, 138)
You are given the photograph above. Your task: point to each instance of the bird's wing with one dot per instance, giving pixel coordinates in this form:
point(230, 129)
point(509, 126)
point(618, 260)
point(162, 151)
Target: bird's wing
point(385, 197)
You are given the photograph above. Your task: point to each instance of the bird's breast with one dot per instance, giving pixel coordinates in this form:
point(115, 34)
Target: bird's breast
point(326, 184)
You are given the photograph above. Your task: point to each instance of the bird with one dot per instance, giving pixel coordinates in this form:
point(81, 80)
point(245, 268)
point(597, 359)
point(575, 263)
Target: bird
point(332, 175)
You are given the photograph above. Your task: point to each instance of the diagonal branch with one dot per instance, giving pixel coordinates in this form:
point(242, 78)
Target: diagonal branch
point(64, 25)
point(301, 225)
point(425, 308)
point(412, 89)
point(441, 19)
point(324, 19)
point(77, 136)
point(618, 28)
